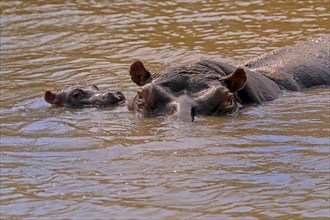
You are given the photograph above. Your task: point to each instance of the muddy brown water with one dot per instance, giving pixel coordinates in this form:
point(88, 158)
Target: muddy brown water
point(269, 162)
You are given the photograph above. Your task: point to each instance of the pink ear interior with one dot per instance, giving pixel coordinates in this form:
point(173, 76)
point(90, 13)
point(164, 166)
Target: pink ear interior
point(49, 97)
point(236, 80)
point(139, 74)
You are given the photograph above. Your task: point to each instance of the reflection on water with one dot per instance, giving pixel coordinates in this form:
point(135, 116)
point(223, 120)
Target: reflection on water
point(272, 161)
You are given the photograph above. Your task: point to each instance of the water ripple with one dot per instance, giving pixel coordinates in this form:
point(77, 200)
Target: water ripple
point(269, 162)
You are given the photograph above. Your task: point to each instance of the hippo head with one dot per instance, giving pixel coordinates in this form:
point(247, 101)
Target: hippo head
point(82, 96)
point(185, 94)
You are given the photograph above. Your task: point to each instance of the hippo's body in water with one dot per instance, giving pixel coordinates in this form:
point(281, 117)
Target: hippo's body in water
point(83, 96)
point(214, 88)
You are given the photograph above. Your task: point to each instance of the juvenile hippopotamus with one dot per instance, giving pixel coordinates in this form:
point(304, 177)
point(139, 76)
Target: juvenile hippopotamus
point(84, 96)
point(214, 88)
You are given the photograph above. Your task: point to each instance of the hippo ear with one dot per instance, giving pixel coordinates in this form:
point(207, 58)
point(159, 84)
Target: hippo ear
point(50, 97)
point(139, 74)
point(236, 80)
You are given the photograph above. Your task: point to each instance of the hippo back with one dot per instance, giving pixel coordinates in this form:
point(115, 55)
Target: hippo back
point(192, 77)
point(296, 67)
point(195, 77)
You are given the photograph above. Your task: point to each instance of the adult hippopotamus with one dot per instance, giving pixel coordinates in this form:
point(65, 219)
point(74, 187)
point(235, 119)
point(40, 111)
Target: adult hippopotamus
point(214, 88)
point(84, 96)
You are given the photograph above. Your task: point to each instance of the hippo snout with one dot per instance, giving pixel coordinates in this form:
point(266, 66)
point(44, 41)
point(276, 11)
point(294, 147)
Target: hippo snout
point(116, 97)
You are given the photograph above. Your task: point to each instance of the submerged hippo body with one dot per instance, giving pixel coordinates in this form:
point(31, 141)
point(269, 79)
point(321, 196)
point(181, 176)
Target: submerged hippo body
point(84, 96)
point(214, 88)
point(297, 67)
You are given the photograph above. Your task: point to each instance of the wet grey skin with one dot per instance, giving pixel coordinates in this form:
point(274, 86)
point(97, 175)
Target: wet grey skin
point(84, 96)
point(186, 91)
point(214, 88)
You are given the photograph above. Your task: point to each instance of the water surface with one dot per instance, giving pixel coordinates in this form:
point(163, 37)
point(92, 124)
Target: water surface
point(270, 162)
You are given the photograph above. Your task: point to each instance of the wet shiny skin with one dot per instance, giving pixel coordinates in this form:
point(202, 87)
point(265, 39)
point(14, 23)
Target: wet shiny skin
point(84, 96)
point(270, 162)
point(195, 89)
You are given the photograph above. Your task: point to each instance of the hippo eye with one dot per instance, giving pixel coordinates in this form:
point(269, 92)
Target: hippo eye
point(153, 107)
point(75, 95)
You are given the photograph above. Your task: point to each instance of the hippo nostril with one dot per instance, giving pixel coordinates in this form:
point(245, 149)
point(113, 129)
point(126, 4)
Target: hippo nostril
point(120, 95)
point(117, 96)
